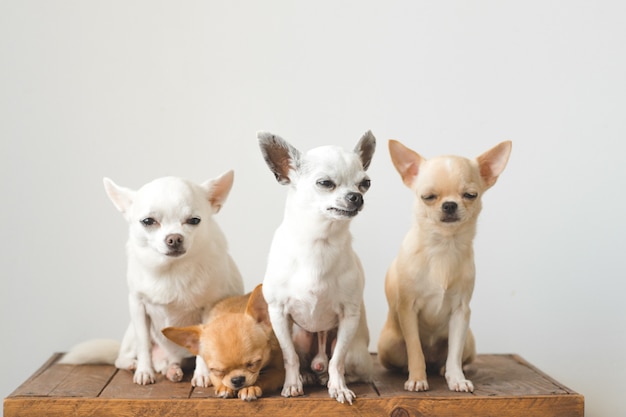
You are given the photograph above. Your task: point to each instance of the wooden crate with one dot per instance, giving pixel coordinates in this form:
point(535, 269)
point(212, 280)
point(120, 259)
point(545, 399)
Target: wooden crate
point(506, 385)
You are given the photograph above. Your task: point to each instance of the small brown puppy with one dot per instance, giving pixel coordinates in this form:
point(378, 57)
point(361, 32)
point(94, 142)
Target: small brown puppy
point(238, 345)
point(430, 283)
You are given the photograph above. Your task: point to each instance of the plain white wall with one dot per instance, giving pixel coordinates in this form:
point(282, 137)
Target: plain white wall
point(137, 90)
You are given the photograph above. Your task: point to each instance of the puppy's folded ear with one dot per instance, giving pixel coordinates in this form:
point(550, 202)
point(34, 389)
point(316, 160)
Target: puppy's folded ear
point(121, 197)
point(406, 161)
point(187, 337)
point(365, 148)
point(279, 155)
point(257, 306)
point(218, 189)
point(493, 162)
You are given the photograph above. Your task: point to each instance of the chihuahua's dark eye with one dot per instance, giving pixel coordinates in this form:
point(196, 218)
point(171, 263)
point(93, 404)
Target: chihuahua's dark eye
point(148, 221)
point(193, 221)
point(470, 196)
point(429, 197)
point(365, 185)
point(328, 184)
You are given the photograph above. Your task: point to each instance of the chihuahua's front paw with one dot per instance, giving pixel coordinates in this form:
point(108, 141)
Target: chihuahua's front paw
point(250, 393)
point(144, 377)
point(338, 390)
point(460, 384)
point(292, 390)
point(341, 394)
point(174, 373)
point(416, 385)
point(200, 379)
point(224, 392)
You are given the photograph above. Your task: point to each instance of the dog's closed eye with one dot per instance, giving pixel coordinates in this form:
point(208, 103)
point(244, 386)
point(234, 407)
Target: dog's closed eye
point(470, 196)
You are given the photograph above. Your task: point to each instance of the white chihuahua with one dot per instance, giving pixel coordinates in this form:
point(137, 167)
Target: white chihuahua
point(430, 283)
point(178, 268)
point(314, 279)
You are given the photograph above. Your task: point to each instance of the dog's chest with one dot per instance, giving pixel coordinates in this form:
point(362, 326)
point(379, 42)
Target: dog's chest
point(313, 312)
point(443, 285)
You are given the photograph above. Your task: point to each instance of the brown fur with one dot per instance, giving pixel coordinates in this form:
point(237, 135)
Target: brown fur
point(238, 344)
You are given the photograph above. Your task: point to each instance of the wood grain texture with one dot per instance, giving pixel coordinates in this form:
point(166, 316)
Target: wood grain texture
point(506, 385)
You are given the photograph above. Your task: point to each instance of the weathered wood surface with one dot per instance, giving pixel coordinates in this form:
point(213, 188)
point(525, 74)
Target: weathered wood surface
point(505, 385)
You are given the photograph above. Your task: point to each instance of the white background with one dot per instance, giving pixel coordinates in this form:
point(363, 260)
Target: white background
point(137, 90)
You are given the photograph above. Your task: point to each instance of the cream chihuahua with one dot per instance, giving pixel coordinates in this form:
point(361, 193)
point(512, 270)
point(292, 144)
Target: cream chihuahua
point(238, 345)
point(178, 268)
point(430, 283)
point(313, 278)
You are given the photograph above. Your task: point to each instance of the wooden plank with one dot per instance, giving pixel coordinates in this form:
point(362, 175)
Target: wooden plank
point(44, 381)
point(277, 407)
point(86, 381)
point(506, 385)
point(122, 386)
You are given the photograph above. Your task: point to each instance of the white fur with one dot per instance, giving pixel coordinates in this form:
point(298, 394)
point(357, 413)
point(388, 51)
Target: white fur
point(313, 276)
point(172, 284)
point(92, 352)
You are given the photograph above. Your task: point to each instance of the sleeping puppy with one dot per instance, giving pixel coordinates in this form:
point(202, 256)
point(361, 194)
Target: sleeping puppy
point(430, 283)
point(313, 278)
point(238, 345)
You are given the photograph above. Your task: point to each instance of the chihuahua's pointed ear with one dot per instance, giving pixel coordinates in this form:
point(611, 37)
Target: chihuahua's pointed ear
point(365, 148)
point(406, 161)
point(121, 197)
point(279, 155)
point(257, 306)
point(187, 337)
point(218, 189)
point(493, 162)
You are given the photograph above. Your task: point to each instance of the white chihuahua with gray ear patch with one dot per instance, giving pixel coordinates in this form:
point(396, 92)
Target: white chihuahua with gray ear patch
point(430, 283)
point(314, 278)
point(178, 268)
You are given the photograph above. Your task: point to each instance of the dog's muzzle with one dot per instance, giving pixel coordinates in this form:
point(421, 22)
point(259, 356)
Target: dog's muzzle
point(449, 209)
point(353, 204)
point(175, 244)
point(238, 381)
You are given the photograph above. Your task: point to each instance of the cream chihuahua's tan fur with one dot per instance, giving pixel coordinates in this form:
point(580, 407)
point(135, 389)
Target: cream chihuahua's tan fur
point(430, 283)
point(238, 345)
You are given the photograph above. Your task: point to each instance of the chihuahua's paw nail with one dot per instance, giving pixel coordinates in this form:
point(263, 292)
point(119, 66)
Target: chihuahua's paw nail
point(342, 395)
point(174, 373)
point(413, 385)
point(292, 391)
point(250, 393)
point(460, 385)
point(144, 377)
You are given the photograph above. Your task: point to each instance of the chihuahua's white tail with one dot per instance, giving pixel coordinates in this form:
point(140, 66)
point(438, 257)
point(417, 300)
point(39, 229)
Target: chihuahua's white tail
point(92, 352)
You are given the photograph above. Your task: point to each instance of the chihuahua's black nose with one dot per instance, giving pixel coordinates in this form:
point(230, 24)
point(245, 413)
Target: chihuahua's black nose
point(238, 381)
point(174, 241)
point(355, 199)
point(449, 207)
